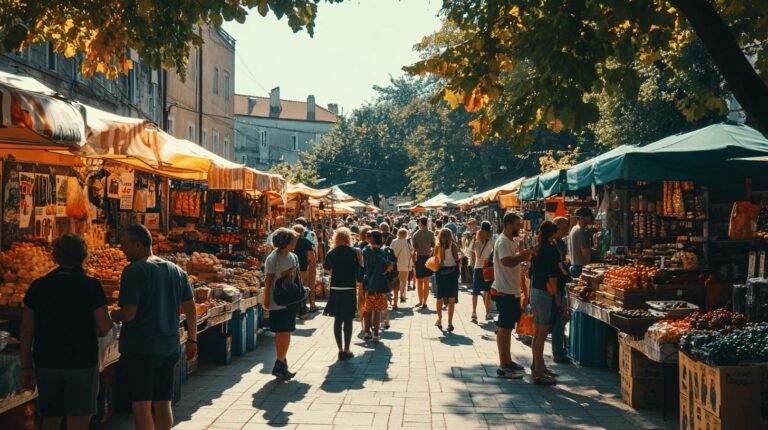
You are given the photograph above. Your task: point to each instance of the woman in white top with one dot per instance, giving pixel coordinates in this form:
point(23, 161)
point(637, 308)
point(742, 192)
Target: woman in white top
point(447, 276)
point(404, 254)
point(480, 250)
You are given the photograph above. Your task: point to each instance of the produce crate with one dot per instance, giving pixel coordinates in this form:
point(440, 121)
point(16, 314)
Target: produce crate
point(633, 326)
point(696, 294)
point(725, 397)
point(634, 298)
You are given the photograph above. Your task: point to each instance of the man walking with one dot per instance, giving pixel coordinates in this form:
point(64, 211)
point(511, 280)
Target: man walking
point(152, 292)
point(423, 242)
point(507, 257)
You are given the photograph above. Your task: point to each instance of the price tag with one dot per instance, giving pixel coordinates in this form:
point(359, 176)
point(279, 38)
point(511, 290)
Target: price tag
point(751, 267)
point(762, 264)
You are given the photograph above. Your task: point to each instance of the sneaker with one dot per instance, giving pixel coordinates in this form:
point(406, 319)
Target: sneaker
point(348, 355)
point(386, 325)
point(544, 380)
point(368, 336)
point(488, 317)
point(508, 374)
point(514, 366)
point(376, 338)
point(547, 372)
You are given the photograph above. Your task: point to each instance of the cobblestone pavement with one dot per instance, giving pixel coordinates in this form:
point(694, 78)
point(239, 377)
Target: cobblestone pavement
point(417, 377)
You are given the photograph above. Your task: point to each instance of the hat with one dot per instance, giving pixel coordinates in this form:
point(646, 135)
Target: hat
point(585, 212)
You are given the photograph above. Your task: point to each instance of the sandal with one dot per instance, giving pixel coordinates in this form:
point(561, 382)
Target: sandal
point(544, 380)
point(547, 372)
point(450, 328)
point(474, 317)
point(386, 325)
point(439, 324)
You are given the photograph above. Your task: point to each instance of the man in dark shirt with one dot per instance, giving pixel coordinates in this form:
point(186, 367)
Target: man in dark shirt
point(152, 292)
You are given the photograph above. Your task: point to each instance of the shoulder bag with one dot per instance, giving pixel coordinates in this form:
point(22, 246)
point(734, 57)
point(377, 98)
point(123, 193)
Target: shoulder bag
point(288, 289)
point(488, 275)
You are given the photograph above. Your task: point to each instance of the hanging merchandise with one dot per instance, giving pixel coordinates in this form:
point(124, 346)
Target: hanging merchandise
point(743, 221)
point(126, 190)
point(76, 200)
point(113, 186)
point(12, 200)
point(61, 196)
point(151, 195)
point(26, 186)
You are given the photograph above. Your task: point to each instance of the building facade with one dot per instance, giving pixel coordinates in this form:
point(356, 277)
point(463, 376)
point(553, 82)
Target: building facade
point(137, 94)
point(201, 107)
point(269, 130)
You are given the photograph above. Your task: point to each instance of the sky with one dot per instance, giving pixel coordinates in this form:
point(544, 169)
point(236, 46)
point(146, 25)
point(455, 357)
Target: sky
point(357, 44)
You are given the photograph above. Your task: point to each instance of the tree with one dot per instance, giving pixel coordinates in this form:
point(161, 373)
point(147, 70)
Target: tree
point(556, 53)
point(161, 31)
point(304, 173)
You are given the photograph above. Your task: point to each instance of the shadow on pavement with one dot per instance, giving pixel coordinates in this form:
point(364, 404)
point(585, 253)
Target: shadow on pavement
point(272, 398)
point(304, 332)
point(351, 374)
point(454, 339)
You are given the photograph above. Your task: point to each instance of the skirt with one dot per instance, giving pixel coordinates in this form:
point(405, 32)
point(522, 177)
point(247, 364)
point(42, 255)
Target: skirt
point(447, 283)
point(283, 320)
point(342, 304)
point(479, 286)
point(421, 268)
point(375, 302)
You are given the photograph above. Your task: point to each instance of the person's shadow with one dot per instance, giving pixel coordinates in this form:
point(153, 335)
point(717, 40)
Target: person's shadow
point(272, 398)
point(351, 374)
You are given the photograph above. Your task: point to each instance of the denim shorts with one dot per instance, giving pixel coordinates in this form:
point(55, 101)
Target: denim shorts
point(541, 304)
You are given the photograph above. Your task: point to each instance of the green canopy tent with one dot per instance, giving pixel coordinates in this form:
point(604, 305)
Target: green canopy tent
point(582, 175)
point(529, 189)
point(701, 156)
point(551, 183)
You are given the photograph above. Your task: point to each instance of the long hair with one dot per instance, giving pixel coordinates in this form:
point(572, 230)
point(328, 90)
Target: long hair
point(446, 239)
point(547, 231)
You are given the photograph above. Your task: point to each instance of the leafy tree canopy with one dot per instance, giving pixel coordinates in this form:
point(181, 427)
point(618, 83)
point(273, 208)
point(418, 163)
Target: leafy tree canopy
point(557, 53)
point(161, 31)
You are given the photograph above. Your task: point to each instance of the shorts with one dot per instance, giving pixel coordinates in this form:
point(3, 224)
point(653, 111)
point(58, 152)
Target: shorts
point(508, 307)
point(479, 286)
point(67, 392)
point(541, 304)
point(149, 377)
point(283, 320)
point(375, 302)
point(421, 269)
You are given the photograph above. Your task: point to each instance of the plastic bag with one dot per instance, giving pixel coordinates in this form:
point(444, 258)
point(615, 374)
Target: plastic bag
point(525, 325)
point(743, 223)
point(76, 200)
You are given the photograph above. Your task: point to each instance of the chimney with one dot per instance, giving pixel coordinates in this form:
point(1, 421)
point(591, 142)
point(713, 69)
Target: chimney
point(311, 108)
point(274, 102)
point(251, 105)
point(334, 108)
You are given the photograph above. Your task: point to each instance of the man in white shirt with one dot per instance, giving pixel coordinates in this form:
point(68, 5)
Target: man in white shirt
point(507, 257)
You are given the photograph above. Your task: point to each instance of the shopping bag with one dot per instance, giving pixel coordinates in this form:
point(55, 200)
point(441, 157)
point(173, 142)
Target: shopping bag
point(525, 325)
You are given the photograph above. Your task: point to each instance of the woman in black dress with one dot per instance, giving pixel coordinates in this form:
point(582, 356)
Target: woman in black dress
point(343, 263)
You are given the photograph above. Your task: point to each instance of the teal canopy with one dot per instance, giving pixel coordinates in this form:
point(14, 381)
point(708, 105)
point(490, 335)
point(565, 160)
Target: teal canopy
point(551, 183)
point(529, 189)
point(582, 175)
point(701, 156)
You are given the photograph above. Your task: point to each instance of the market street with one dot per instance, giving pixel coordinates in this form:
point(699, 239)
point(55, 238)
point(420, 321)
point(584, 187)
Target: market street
point(414, 378)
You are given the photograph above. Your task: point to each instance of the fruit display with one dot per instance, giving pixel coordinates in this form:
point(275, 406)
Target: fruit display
point(625, 277)
point(634, 313)
point(204, 259)
point(743, 345)
point(19, 266)
point(670, 304)
point(719, 320)
point(105, 263)
point(186, 203)
point(202, 294)
point(669, 331)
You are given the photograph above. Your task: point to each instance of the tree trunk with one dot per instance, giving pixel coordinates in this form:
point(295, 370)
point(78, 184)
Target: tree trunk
point(742, 79)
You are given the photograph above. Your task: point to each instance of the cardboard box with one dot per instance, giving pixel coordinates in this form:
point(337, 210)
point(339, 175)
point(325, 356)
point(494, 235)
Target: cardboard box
point(686, 369)
point(686, 413)
point(642, 393)
point(635, 364)
point(711, 422)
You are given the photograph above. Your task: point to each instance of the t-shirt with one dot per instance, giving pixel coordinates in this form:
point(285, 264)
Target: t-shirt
point(482, 250)
point(452, 227)
point(402, 250)
point(545, 265)
point(412, 225)
point(343, 263)
point(423, 241)
point(157, 288)
point(507, 279)
point(275, 264)
point(303, 246)
point(65, 330)
point(578, 239)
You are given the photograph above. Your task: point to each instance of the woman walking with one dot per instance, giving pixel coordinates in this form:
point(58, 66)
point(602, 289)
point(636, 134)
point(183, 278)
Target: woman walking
point(377, 265)
point(64, 312)
point(545, 269)
point(480, 250)
point(404, 254)
point(447, 253)
point(343, 262)
point(280, 263)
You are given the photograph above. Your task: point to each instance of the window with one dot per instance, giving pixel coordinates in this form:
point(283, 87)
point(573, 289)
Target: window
point(240, 140)
point(264, 138)
point(244, 159)
point(215, 80)
point(205, 138)
point(294, 143)
point(225, 149)
point(153, 100)
point(191, 132)
point(52, 58)
point(215, 141)
point(133, 85)
point(78, 65)
point(226, 86)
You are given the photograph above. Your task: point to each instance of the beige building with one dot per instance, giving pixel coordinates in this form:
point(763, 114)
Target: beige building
point(202, 107)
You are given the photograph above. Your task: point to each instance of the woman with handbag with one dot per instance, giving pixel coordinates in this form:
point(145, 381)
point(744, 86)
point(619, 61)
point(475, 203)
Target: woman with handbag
point(480, 250)
point(447, 276)
point(544, 272)
point(377, 266)
point(282, 266)
point(343, 262)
